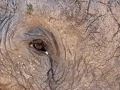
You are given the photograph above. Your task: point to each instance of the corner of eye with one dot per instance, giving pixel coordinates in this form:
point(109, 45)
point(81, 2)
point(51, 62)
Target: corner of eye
point(46, 52)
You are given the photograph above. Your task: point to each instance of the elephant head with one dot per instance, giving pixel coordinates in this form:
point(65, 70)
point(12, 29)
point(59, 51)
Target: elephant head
point(59, 45)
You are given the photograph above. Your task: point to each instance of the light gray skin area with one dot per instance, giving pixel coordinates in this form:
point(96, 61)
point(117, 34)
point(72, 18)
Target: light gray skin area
point(82, 40)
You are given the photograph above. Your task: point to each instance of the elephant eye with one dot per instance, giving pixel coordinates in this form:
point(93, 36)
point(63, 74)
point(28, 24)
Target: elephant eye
point(39, 45)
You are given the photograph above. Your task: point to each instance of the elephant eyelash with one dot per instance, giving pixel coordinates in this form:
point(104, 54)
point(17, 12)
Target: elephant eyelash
point(39, 45)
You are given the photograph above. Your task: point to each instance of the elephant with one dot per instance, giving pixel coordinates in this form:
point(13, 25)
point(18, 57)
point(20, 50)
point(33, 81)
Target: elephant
point(59, 45)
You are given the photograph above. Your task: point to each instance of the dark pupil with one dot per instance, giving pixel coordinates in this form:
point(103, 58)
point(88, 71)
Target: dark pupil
point(39, 45)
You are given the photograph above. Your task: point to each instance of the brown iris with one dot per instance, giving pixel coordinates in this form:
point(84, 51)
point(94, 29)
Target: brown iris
point(38, 45)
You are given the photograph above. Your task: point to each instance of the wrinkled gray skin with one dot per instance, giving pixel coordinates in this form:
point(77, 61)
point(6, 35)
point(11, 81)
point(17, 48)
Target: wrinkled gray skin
point(82, 39)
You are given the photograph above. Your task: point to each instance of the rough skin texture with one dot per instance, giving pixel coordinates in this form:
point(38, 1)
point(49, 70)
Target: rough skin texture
point(82, 38)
